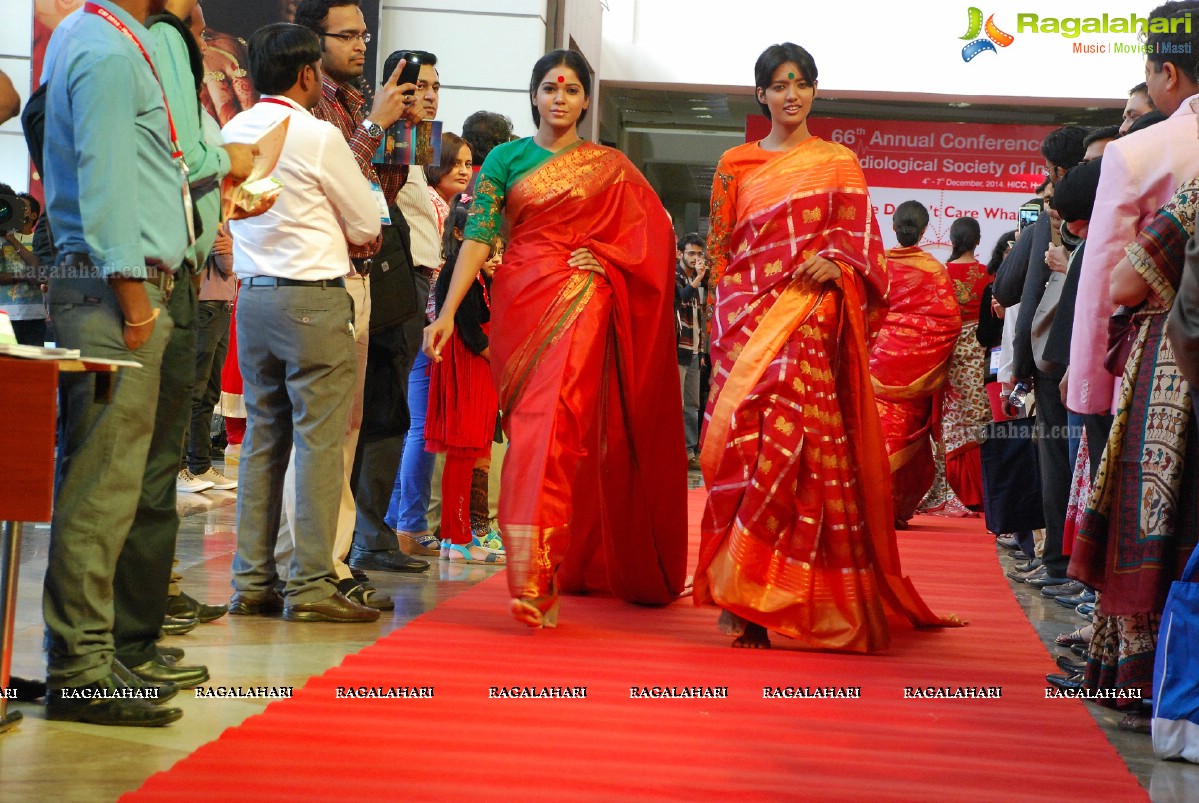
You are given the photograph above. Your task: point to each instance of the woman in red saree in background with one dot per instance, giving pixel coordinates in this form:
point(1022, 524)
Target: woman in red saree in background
point(910, 357)
point(965, 407)
point(582, 346)
point(1140, 524)
point(793, 447)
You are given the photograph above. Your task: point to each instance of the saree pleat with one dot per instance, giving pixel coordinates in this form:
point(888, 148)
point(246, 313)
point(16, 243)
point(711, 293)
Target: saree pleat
point(594, 482)
point(793, 443)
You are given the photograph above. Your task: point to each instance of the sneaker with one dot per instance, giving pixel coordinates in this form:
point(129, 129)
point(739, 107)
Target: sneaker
point(188, 483)
point(232, 454)
point(219, 481)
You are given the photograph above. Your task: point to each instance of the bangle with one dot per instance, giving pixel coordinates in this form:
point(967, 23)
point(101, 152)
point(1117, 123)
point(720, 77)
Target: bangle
point(151, 319)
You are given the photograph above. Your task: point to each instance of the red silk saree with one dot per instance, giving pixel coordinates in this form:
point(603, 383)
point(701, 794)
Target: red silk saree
point(594, 482)
point(793, 445)
point(909, 362)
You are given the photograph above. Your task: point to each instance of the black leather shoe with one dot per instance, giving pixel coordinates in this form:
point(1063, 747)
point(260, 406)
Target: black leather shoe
point(1081, 650)
point(1071, 667)
point(185, 607)
point(156, 693)
point(331, 609)
point(1065, 682)
point(27, 691)
point(173, 653)
point(1046, 580)
point(246, 605)
point(174, 626)
point(107, 701)
point(1063, 590)
point(157, 671)
point(386, 560)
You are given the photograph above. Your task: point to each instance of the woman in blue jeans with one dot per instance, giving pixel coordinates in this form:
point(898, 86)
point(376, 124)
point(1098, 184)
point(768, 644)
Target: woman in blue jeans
point(408, 512)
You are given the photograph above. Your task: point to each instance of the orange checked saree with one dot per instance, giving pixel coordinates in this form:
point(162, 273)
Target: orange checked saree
point(595, 479)
point(909, 362)
point(793, 447)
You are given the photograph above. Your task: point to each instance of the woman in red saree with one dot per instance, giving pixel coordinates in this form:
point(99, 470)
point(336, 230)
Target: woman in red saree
point(793, 446)
point(593, 488)
point(910, 357)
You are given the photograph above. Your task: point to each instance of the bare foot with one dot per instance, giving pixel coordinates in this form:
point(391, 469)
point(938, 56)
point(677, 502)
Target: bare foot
point(754, 638)
point(730, 624)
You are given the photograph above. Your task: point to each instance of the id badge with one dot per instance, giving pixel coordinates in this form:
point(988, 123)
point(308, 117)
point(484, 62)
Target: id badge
point(381, 200)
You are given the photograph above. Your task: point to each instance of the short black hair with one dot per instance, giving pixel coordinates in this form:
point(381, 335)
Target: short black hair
point(1099, 134)
point(909, 222)
point(33, 204)
point(483, 131)
point(964, 235)
point(1180, 49)
point(393, 60)
point(1000, 250)
point(571, 59)
point(277, 54)
point(691, 238)
point(1063, 146)
point(1141, 88)
point(312, 13)
point(776, 56)
point(1074, 196)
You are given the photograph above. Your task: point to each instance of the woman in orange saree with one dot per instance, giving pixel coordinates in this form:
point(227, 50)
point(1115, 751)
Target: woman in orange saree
point(793, 446)
point(593, 488)
point(909, 360)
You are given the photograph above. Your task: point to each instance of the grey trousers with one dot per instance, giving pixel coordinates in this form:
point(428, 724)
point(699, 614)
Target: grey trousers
point(295, 346)
point(689, 381)
point(102, 454)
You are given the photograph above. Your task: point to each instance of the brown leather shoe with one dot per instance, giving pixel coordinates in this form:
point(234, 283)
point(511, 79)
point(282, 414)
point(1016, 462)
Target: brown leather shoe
point(252, 605)
point(332, 609)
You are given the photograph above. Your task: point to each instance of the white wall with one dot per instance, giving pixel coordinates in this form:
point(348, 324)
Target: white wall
point(485, 50)
point(869, 46)
point(16, 43)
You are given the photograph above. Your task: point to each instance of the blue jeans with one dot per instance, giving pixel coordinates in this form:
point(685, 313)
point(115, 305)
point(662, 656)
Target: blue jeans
point(409, 508)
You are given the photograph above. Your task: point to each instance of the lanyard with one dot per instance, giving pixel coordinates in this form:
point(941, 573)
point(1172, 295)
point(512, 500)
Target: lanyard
point(111, 19)
point(277, 102)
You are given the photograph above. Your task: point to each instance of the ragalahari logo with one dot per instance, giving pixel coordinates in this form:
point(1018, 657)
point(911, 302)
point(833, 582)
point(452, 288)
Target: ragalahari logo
point(993, 37)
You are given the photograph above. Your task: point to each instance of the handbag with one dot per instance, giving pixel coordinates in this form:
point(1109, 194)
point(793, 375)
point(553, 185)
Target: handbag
point(1011, 477)
point(1176, 670)
point(1121, 334)
point(395, 298)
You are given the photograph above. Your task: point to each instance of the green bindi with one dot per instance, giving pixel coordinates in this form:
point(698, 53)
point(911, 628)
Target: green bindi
point(790, 76)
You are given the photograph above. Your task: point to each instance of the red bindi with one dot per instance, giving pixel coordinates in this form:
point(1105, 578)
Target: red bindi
point(562, 79)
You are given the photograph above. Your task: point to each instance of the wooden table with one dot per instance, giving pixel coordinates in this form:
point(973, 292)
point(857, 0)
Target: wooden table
point(28, 416)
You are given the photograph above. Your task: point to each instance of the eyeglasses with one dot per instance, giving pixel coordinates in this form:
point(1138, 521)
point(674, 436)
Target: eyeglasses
point(365, 38)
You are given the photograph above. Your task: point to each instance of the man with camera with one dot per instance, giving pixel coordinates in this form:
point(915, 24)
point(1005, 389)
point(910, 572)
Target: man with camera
point(341, 28)
point(690, 276)
point(20, 282)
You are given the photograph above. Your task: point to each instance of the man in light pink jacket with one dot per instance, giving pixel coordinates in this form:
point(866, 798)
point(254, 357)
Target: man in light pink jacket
point(1140, 173)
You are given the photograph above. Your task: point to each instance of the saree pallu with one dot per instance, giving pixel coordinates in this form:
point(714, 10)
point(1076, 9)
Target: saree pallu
point(1140, 523)
point(594, 482)
point(793, 443)
point(908, 365)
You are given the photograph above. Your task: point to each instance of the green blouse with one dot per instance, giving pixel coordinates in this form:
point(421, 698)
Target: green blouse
point(503, 168)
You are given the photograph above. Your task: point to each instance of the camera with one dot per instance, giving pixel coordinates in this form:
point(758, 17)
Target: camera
point(14, 212)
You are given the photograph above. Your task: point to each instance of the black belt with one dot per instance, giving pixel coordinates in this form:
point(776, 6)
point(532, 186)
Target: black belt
point(271, 281)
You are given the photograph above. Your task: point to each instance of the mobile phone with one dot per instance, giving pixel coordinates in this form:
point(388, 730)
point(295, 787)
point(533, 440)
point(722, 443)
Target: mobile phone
point(1028, 215)
point(411, 71)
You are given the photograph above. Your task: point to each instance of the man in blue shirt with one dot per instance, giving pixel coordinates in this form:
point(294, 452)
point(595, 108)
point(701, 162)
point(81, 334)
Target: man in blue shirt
point(115, 196)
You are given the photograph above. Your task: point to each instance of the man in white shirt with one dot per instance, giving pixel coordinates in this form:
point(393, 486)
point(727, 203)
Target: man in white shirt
point(296, 334)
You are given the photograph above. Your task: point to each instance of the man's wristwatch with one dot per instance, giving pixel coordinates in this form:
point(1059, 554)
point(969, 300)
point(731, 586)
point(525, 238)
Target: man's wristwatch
point(374, 129)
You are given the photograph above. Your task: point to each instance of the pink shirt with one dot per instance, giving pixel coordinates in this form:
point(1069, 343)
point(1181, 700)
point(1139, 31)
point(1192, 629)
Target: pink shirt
point(1140, 174)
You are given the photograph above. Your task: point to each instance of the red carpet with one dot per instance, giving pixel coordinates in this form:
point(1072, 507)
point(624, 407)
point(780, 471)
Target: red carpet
point(608, 746)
